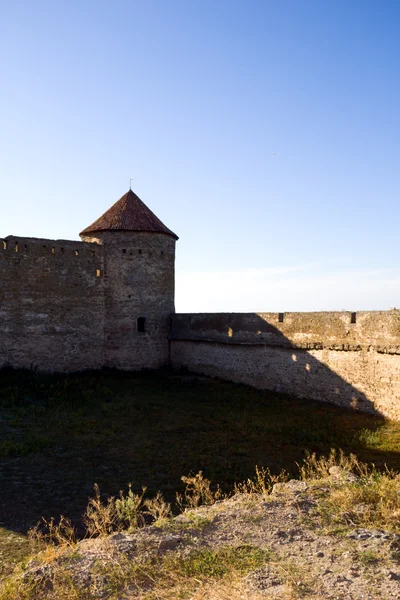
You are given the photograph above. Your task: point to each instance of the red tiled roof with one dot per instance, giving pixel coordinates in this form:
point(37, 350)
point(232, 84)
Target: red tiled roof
point(129, 213)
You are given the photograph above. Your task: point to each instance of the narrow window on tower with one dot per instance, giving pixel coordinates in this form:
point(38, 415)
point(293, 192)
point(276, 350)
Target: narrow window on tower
point(141, 325)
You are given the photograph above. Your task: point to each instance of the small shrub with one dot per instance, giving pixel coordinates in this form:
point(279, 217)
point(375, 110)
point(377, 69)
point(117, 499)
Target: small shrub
point(49, 532)
point(369, 438)
point(197, 493)
point(158, 508)
point(100, 519)
point(373, 501)
point(129, 508)
point(314, 468)
point(262, 483)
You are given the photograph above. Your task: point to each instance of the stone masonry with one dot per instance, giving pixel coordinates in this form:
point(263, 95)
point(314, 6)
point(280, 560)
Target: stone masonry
point(109, 301)
point(104, 301)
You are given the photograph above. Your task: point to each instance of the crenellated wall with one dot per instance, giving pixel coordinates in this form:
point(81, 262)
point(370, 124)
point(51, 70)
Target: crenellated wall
point(350, 359)
point(68, 305)
point(51, 304)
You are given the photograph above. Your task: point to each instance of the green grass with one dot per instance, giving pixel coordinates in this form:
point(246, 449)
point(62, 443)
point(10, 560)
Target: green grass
point(206, 563)
point(61, 433)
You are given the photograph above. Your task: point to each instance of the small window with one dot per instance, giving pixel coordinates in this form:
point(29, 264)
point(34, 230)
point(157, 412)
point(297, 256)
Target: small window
point(141, 325)
point(5, 244)
point(140, 252)
point(76, 252)
point(281, 317)
point(53, 250)
point(98, 273)
point(16, 246)
point(124, 251)
point(353, 318)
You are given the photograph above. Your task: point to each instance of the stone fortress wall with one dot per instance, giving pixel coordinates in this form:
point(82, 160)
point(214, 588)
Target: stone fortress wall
point(349, 359)
point(51, 303)
point(67, 306)
point(108, 301)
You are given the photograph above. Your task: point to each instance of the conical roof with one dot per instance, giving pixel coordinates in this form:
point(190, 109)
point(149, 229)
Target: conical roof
point(129, 213)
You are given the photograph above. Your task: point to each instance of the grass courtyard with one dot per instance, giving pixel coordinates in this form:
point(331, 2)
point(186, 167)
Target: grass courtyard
point(60, 434)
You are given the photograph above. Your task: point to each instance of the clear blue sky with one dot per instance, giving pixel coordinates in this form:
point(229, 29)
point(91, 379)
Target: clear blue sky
point(193, 98)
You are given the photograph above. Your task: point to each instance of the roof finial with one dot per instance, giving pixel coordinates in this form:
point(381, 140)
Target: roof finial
point(130, 182)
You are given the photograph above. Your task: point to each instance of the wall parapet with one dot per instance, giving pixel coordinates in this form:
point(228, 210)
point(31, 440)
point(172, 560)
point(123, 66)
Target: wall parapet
point(340, 331)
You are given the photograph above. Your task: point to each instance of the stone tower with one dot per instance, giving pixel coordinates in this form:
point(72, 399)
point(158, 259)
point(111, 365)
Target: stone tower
point(139, 281)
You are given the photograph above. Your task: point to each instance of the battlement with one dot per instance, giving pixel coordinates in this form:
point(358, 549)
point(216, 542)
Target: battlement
point(42, 247)
point(341, 330)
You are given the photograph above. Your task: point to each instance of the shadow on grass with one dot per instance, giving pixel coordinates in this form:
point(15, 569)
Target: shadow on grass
point(62, 433)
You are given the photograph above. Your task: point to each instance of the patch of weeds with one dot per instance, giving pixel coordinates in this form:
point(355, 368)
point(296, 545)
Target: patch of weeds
point(128, 509)
point(120, 572)
point(33, 443)
point(197, 521)
point(369, 438)
point(368, 557)
point(100, 518)
point(299, 578)
point(157, 509)
point(338, 531)
point(197, 492)
point(262, 483)
point(49, 533)
point(206, 563)
point(314, 468)
point(14, 548)
point(194, 522)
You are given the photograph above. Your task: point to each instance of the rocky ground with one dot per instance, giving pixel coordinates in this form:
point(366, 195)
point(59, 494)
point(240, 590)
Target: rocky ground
point(276, 546)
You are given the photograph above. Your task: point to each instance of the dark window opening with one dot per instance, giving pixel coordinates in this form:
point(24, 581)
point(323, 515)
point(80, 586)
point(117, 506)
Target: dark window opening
point(141, 325)
point(124, 251)
point(353, 318)
point(281, 316)
point(140, 252)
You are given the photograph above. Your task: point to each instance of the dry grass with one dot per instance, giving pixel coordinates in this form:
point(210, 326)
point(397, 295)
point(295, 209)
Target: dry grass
point(158, 509)
point(198, 492)
point(262, 483)
point(371, 499)
point(100, 518)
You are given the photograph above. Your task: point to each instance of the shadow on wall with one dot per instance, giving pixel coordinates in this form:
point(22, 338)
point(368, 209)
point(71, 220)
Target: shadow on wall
point(321, 356)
